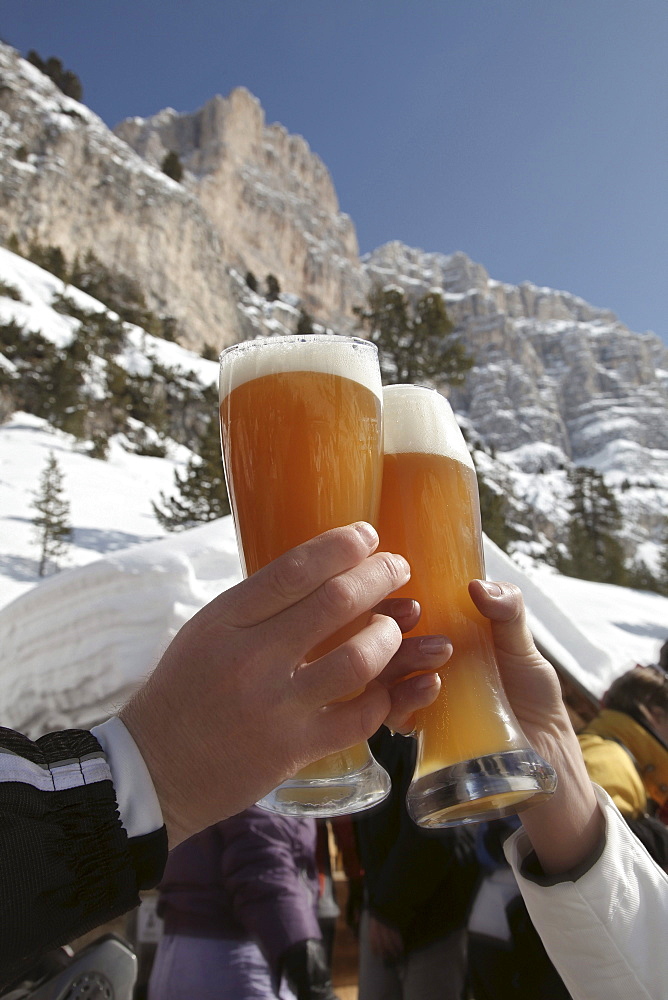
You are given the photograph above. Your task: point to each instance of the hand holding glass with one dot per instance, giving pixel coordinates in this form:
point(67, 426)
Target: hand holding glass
point(302, 449)
point(474, 762)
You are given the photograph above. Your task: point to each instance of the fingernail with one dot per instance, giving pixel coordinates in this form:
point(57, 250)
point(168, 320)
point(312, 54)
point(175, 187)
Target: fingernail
point(368, 533)
point(425, 681)
point(402, 607)
point(401, 564)
point(492, 588)
point(433, 645)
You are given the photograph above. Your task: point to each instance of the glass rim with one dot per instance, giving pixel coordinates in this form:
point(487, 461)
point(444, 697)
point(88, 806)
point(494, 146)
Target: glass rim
point(411, 385)
point(296, 338)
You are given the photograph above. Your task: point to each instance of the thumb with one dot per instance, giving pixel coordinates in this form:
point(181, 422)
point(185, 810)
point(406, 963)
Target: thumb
point(503, 605)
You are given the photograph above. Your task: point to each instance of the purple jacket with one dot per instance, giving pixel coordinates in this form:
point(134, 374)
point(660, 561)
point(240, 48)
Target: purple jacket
point(251, 876)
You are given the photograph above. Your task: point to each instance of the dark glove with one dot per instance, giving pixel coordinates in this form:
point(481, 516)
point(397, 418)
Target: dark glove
point(305, 967)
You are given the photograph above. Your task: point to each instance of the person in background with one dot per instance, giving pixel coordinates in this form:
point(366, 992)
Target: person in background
point(239, 904)
point(625, 750)
point(662, 662)
point(327, 908)
point(506, 957)
point(418, 887)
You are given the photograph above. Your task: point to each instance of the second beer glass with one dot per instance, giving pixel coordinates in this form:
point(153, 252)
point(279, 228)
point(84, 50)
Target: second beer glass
point(474, 762)
point(301, 436)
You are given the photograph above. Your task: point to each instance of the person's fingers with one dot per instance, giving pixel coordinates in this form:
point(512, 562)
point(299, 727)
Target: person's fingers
point(339, 602)
point(351, 666)
point(407, 697)
point(343, 724)
point(293, 576)
point(502, 603)
point(341, 598)
point(404, 610)
point(530, 682)
point(417, 653)
point(350, 722)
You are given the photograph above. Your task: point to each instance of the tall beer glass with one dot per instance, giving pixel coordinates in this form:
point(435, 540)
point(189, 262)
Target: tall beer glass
point(301, 436)
point(474, 762)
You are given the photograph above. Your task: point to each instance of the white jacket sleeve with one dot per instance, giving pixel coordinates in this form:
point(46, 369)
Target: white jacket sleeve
point(138, 805)
point(606, 931)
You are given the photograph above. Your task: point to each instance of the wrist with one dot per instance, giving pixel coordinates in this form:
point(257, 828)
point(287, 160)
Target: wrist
point(565, 829)
point(152, 743)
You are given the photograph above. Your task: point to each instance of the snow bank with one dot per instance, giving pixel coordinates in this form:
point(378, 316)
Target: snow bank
point(77, 644)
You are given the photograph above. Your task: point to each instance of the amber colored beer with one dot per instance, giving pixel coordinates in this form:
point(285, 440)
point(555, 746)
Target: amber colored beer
point(301, 437)
point(430, 513)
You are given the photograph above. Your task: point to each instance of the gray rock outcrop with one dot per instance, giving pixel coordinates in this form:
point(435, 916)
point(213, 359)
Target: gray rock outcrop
point(556, 382)
point(66, 180)
point(269, 197)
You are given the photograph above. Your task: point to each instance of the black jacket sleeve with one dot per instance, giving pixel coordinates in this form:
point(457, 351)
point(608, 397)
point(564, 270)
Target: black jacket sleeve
point(66, 862)
point(653, 834)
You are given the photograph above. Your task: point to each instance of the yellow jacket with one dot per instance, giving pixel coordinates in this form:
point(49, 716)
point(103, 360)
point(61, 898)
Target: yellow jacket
point(629, 775)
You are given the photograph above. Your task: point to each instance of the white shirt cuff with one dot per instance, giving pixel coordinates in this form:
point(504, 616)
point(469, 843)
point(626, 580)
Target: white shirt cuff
point(138, 804)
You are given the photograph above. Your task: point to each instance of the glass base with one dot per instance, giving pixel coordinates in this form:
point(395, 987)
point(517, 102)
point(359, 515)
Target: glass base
point(322, 797)
point(485, 788)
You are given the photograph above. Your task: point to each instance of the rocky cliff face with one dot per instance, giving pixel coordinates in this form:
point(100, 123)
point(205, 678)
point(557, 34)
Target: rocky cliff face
point(269, 197)
point(67, 181)
point(549, 367)
point(556, 381)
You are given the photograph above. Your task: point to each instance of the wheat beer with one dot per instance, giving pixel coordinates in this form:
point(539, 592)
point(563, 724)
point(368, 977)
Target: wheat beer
point(430, 513)
point(301, 438)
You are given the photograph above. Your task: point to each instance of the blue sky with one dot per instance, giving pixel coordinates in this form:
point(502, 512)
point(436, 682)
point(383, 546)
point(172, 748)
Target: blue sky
point(531, 134)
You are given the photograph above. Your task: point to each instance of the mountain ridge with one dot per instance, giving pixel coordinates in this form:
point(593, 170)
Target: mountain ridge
point(557, 381)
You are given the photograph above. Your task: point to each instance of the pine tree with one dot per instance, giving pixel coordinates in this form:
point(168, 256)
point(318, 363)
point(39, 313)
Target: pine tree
point(202, 495)
point(273, 289)
point(594, 549)
point(70, 401)
point(662, 572)
point(67, 81)
point(171, 166)
point(304, 324)
point(494, 514)
point(52, 527)
point(640, 577)
point(415, 345)
point(251, 281)
point(50, 258)
point(209, 352)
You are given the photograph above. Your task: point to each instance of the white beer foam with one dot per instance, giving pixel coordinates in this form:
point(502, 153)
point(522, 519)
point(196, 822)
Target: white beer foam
point(346, 356)
point(417, 419)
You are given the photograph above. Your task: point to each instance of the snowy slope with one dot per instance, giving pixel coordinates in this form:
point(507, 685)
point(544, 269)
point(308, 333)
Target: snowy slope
point(74, 646)
point(110, 500)
point(38, 288)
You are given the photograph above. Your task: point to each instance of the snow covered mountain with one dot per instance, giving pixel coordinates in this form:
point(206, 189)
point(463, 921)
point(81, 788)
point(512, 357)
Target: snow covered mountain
point(556, 382)
point(68, 181)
